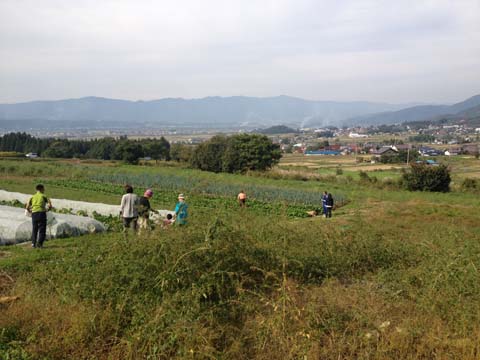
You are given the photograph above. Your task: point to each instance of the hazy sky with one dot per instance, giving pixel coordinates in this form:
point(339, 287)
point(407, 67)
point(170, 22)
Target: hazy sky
point(390, 50)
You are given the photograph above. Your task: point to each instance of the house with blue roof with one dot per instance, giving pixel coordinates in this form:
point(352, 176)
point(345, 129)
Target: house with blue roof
point(322, 152)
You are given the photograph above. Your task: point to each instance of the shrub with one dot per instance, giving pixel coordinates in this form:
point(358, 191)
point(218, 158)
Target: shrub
point(364, 176)
point(469, 184)
point(10, 154)
point(422, 177)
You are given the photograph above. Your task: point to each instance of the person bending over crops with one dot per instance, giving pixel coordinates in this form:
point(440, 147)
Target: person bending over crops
point(128, 209)
point(181, 213)
point(168, 221)
point(37, 206)
point(242, 199)
point(144, 209)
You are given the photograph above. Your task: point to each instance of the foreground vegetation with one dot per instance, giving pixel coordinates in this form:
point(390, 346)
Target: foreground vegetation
point(394, 274)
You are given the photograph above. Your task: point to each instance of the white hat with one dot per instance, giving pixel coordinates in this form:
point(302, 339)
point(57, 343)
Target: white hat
point(181, 196)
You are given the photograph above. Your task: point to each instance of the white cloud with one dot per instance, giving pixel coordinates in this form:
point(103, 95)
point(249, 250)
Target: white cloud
point(370, 50)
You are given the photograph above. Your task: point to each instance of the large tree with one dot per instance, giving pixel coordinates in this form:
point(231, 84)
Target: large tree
point(158, 149)
point(209, 155)
point(128, 151)
point(237, 153)
point(181, 152)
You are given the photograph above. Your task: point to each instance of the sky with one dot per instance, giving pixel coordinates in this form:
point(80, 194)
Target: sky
point(344, 50)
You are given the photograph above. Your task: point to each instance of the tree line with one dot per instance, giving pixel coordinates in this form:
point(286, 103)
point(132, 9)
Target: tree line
point(237, 153)
point(107, 148)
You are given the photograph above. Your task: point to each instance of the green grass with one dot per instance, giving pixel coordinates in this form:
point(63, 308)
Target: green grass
point(392, 275)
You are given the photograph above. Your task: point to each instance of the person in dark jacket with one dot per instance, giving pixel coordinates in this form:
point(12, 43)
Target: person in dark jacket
point(144, 209)
point(329, 205)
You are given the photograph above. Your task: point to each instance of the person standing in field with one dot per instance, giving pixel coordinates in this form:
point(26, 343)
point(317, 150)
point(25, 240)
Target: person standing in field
point(242, 199)
point(38, 205)
point(144, 209)
point(129, 209)
point(181, 211)
point(329, 205)
point(324, 203)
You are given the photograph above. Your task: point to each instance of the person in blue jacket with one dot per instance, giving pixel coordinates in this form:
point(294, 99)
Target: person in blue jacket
point(181, 211)
point(324, 203)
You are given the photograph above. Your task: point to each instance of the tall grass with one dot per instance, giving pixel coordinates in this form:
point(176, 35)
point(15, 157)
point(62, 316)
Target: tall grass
point(395, 276)
point(239, 286)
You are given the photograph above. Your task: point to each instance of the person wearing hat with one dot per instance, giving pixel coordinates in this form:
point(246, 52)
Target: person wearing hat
point(144, 209)
point(181, 213)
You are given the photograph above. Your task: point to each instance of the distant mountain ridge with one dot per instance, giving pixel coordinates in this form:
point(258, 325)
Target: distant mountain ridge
point(420, 113)
point(213, 112)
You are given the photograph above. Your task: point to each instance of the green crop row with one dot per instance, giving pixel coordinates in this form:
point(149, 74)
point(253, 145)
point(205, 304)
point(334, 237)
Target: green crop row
point(202, 200)
point(193, 185)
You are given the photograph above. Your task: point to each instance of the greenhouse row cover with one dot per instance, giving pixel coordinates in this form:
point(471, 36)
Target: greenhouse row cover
point(75, 207)
point(16, 227)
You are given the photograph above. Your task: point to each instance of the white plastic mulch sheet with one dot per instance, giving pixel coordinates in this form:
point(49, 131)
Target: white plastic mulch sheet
point(16, 227)
point(76, 206)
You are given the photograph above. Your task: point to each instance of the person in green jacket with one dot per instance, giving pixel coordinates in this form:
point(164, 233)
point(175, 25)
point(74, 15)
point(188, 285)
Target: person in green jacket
point(38, 205)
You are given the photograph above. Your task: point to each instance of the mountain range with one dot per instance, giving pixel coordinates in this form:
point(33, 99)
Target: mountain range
point(465, 109)
point(219, 112)
point(210, 112)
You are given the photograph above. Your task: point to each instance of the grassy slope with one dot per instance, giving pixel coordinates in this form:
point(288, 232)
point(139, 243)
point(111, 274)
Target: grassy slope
point(392, 275)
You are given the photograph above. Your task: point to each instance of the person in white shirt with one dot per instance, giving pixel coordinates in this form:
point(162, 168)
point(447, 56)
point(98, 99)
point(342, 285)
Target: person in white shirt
point(129, 210)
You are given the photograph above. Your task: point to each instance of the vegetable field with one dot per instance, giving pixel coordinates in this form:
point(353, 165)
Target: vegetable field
point(392, 275)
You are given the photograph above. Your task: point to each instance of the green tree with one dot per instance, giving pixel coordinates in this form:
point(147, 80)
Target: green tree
point(102, 149)
point(209, 155)
point(158, 149)
point(181, 152)
point(59, 149)
point(236, 153)
point(250, 152)
point(128, 151)
point(422, 177)
point(401, 157)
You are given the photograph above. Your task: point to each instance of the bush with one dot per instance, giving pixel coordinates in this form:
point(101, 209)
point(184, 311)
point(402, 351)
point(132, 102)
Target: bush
point(469, 184)
point(424, 177)
point(364, 176)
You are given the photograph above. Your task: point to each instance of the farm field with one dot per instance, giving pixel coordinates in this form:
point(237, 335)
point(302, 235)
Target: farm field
point(462, 166)
point(393, 274)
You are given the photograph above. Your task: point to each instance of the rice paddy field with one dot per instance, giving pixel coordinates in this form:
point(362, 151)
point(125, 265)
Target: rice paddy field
point(392, 275)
